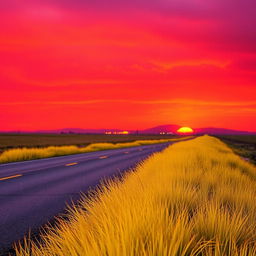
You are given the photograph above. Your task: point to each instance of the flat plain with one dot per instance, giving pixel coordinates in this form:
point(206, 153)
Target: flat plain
point(242, 145)
point(9, 141)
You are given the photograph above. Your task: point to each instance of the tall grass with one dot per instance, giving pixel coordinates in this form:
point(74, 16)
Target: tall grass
point(23, 154)
point(194, 198)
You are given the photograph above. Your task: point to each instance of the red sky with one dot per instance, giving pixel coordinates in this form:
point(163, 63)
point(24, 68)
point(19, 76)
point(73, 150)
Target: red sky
point(127, 64)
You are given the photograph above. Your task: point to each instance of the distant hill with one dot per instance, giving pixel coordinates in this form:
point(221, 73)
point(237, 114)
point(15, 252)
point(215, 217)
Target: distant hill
point(170, 128)
point(165, 129)
point(79, 131)
point(75, 130)
point(221, 131)
point(207, 130)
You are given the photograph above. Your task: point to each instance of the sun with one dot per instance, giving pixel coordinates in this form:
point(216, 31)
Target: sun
point(185, 130)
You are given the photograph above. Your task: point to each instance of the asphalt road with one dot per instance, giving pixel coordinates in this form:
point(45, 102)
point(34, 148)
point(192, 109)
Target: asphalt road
point(33, 192)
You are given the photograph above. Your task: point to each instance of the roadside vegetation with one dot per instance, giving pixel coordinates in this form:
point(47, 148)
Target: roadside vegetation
point(10, 141)
point(23, 154)
point(243, 145)
point(195, 198)
point(248, 139)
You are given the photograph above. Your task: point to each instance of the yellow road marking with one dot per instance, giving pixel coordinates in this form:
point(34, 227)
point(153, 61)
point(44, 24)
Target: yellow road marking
point(71, 164)
point(103, 157)
point(11, 177)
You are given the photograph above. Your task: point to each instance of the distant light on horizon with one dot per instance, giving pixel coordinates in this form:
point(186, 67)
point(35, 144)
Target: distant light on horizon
point(120, 133)
point(124, 132)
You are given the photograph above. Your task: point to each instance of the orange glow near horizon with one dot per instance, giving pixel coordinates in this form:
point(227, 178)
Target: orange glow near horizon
point(127, 65)
point(119, 133)
point(185, 130)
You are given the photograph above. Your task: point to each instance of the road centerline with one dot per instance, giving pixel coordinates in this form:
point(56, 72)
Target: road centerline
point(103, 157)
point(71, 164)
point(10, 177)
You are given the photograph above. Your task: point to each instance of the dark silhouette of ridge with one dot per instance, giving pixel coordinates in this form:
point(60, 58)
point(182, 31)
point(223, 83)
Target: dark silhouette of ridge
point(161, 129)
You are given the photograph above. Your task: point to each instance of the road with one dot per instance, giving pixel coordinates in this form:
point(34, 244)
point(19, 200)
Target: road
point(33, 192)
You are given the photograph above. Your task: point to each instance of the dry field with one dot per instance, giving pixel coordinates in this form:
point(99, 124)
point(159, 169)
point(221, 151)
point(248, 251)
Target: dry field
point(9, 141)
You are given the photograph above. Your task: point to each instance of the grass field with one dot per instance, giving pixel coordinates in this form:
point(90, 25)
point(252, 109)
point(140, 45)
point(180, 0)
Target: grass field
point(194, 198)
point(243, 145)
point(8, 141)
point(249, 139)
point(24, 154)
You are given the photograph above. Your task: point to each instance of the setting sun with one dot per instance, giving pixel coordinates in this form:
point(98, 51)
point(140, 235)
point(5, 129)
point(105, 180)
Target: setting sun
point(185, 130)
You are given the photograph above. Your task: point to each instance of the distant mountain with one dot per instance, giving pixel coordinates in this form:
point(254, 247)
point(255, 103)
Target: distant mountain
point(221, 131)
point(207, 130)
point(164, 129)
point(170, 128)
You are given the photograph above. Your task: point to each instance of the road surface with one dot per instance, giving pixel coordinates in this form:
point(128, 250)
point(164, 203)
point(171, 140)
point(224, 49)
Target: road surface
point(33, 192)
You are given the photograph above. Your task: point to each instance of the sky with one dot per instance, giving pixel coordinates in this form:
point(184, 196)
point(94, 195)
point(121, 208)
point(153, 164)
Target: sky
point(129, 64)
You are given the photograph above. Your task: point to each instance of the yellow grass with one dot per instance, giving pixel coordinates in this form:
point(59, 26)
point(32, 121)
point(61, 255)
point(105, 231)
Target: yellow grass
point(194, 198)
point(23, 154)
